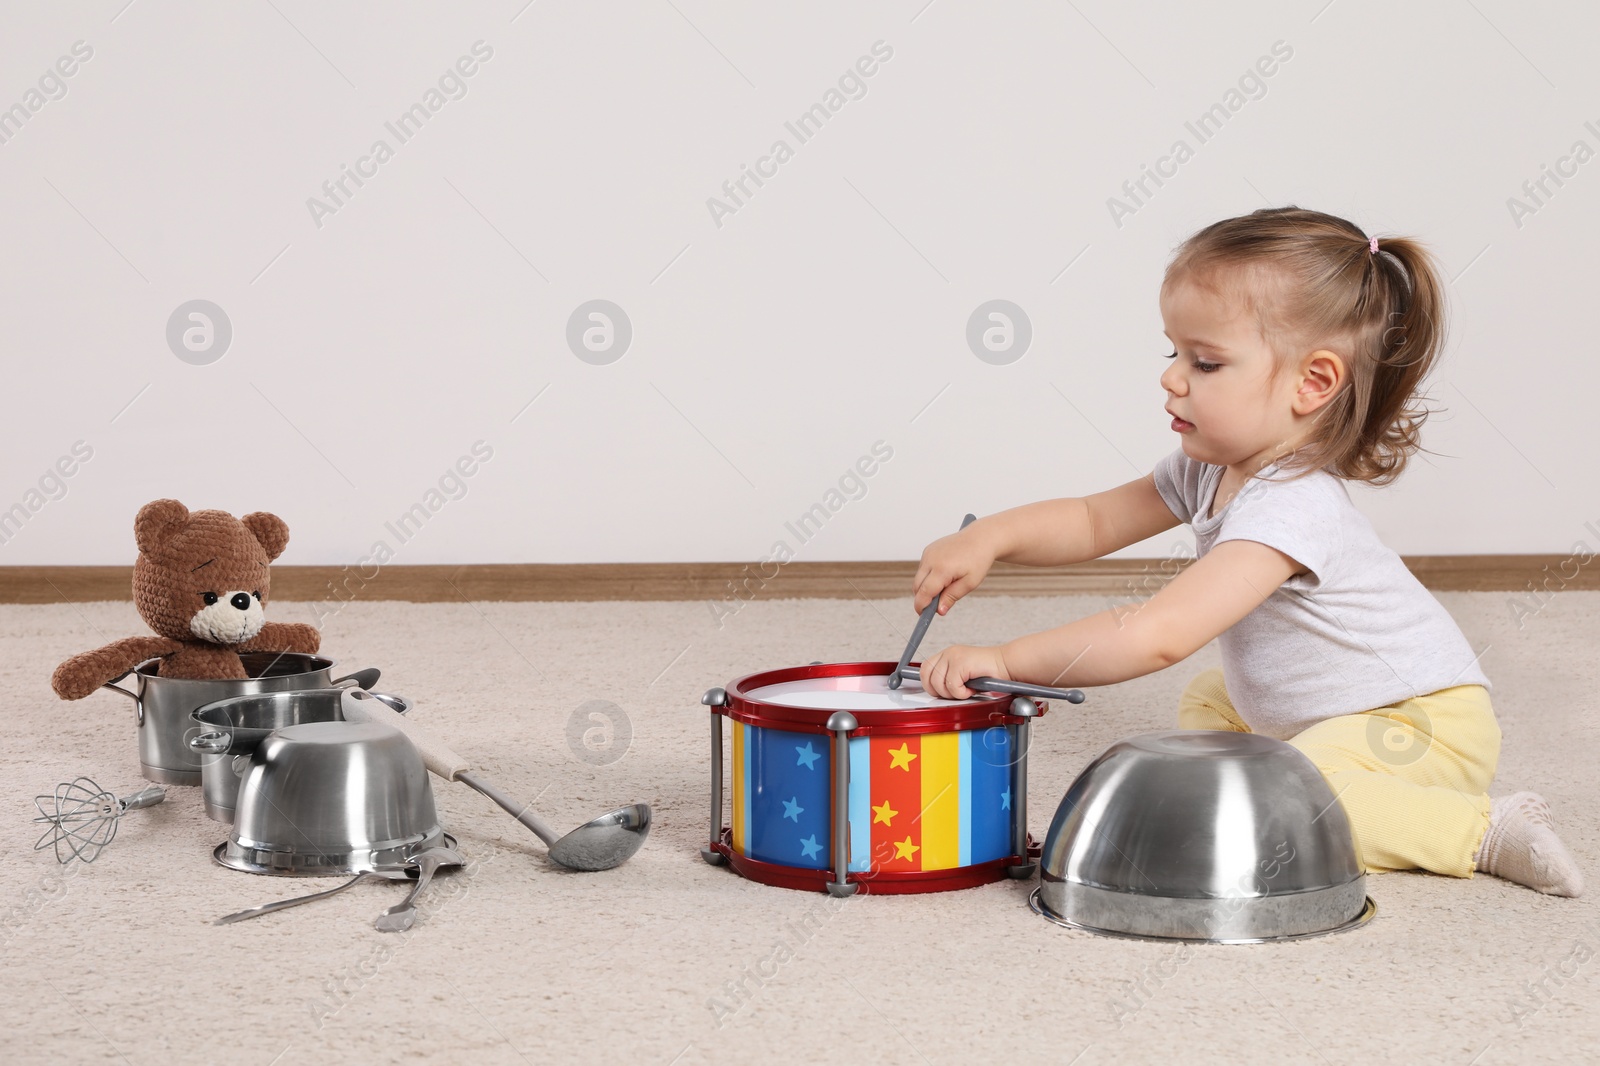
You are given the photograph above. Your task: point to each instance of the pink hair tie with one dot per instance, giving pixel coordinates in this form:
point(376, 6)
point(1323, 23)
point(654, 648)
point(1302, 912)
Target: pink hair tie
point(1372, 246)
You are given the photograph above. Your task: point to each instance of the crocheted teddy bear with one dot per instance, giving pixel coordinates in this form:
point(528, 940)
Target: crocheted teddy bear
point(201, 582)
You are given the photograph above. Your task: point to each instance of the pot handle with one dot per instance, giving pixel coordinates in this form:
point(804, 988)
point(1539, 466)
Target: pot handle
point(138, 705)
point(213, 743)
point(363, 678)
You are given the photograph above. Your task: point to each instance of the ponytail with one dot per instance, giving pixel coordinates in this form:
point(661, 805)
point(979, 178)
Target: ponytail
point(1409, 307)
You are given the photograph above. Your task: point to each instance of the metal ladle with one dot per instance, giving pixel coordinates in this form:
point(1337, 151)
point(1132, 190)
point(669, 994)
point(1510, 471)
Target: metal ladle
point(599, 844)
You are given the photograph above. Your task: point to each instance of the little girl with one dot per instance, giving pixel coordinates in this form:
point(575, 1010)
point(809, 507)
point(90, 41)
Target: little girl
point(1299, 346)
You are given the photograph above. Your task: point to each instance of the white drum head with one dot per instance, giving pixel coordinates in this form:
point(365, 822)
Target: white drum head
point(870, 692)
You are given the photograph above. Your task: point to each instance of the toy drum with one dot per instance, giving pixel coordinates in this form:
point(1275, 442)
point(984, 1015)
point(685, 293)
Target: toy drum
point(842, 784)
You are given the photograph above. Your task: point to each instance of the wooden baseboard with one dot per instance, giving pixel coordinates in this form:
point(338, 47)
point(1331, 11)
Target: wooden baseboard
point(745, 581)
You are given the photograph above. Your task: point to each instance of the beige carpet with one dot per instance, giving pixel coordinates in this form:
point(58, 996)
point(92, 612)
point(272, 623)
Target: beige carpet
point(670, 960)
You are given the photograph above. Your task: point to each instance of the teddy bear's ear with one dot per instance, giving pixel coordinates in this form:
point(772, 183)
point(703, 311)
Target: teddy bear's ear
point(157, 521)
point(270, 530)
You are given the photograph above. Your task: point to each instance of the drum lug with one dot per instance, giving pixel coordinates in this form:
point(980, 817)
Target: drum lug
point(840, 724)
point(1023, 707)
point(714, 698)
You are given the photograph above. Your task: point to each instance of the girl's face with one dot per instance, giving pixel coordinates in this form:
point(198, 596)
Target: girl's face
point(1226, 410)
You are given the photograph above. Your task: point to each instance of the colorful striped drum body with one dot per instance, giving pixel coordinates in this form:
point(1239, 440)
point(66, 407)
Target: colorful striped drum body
point(842, 784)
point(934, 801)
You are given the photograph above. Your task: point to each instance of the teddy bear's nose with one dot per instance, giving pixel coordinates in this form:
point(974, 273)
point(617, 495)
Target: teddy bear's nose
point(241, 600)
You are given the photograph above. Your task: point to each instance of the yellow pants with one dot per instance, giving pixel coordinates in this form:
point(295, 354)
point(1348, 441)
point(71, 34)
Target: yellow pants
point(1413, 777)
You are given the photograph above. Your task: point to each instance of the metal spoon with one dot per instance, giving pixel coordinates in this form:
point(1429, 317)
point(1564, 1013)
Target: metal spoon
point(600, 844)
point(399, 917)
point(923, 621)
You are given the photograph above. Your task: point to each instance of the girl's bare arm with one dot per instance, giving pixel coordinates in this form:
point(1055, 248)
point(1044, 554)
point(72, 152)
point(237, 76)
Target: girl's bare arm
point(1050, 533)
point(1062, 532)
point(1125, 642)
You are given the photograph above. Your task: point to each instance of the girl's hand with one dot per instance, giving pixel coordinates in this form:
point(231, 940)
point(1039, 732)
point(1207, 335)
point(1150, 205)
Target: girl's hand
point(951, 567)
point(945, 674)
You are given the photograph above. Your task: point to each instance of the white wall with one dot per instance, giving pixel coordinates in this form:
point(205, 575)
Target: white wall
point(770, 352)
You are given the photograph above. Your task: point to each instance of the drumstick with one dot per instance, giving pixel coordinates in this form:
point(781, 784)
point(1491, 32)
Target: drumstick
point(1009, 688)
point(922, 624)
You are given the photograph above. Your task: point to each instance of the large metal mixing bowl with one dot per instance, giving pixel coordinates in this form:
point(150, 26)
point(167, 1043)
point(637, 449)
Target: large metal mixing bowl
point(329, 798)
point(1202, 835)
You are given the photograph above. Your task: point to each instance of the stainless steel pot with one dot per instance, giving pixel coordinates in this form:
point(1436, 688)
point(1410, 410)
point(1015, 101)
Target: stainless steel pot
point(162, 705)
point(329, 798)
point(235, 727)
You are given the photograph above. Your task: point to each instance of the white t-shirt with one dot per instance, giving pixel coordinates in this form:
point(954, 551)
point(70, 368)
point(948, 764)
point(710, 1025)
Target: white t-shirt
point(1356, 632)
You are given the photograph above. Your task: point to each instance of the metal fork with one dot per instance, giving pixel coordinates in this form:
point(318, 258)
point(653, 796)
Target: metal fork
point(399, 917)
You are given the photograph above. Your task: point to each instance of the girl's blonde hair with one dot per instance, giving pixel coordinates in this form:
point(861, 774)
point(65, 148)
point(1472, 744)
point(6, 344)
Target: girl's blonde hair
point(1313, 281)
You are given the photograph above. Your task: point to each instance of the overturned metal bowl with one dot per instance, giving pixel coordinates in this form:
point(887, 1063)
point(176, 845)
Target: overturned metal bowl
point(1204, 836)
point(235, 727)
point(327, 798)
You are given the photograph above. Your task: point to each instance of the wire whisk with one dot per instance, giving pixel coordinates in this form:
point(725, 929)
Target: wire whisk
point(83, 817)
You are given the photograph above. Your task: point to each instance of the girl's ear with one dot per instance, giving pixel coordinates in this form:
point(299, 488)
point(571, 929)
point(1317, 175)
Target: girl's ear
point(1321, 378)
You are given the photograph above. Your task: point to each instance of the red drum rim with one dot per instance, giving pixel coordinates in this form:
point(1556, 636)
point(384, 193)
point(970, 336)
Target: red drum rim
point(882, 883)
point(980, 712)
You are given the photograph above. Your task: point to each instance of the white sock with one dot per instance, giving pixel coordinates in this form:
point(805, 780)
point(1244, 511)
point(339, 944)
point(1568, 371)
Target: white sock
point(1520, 845)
